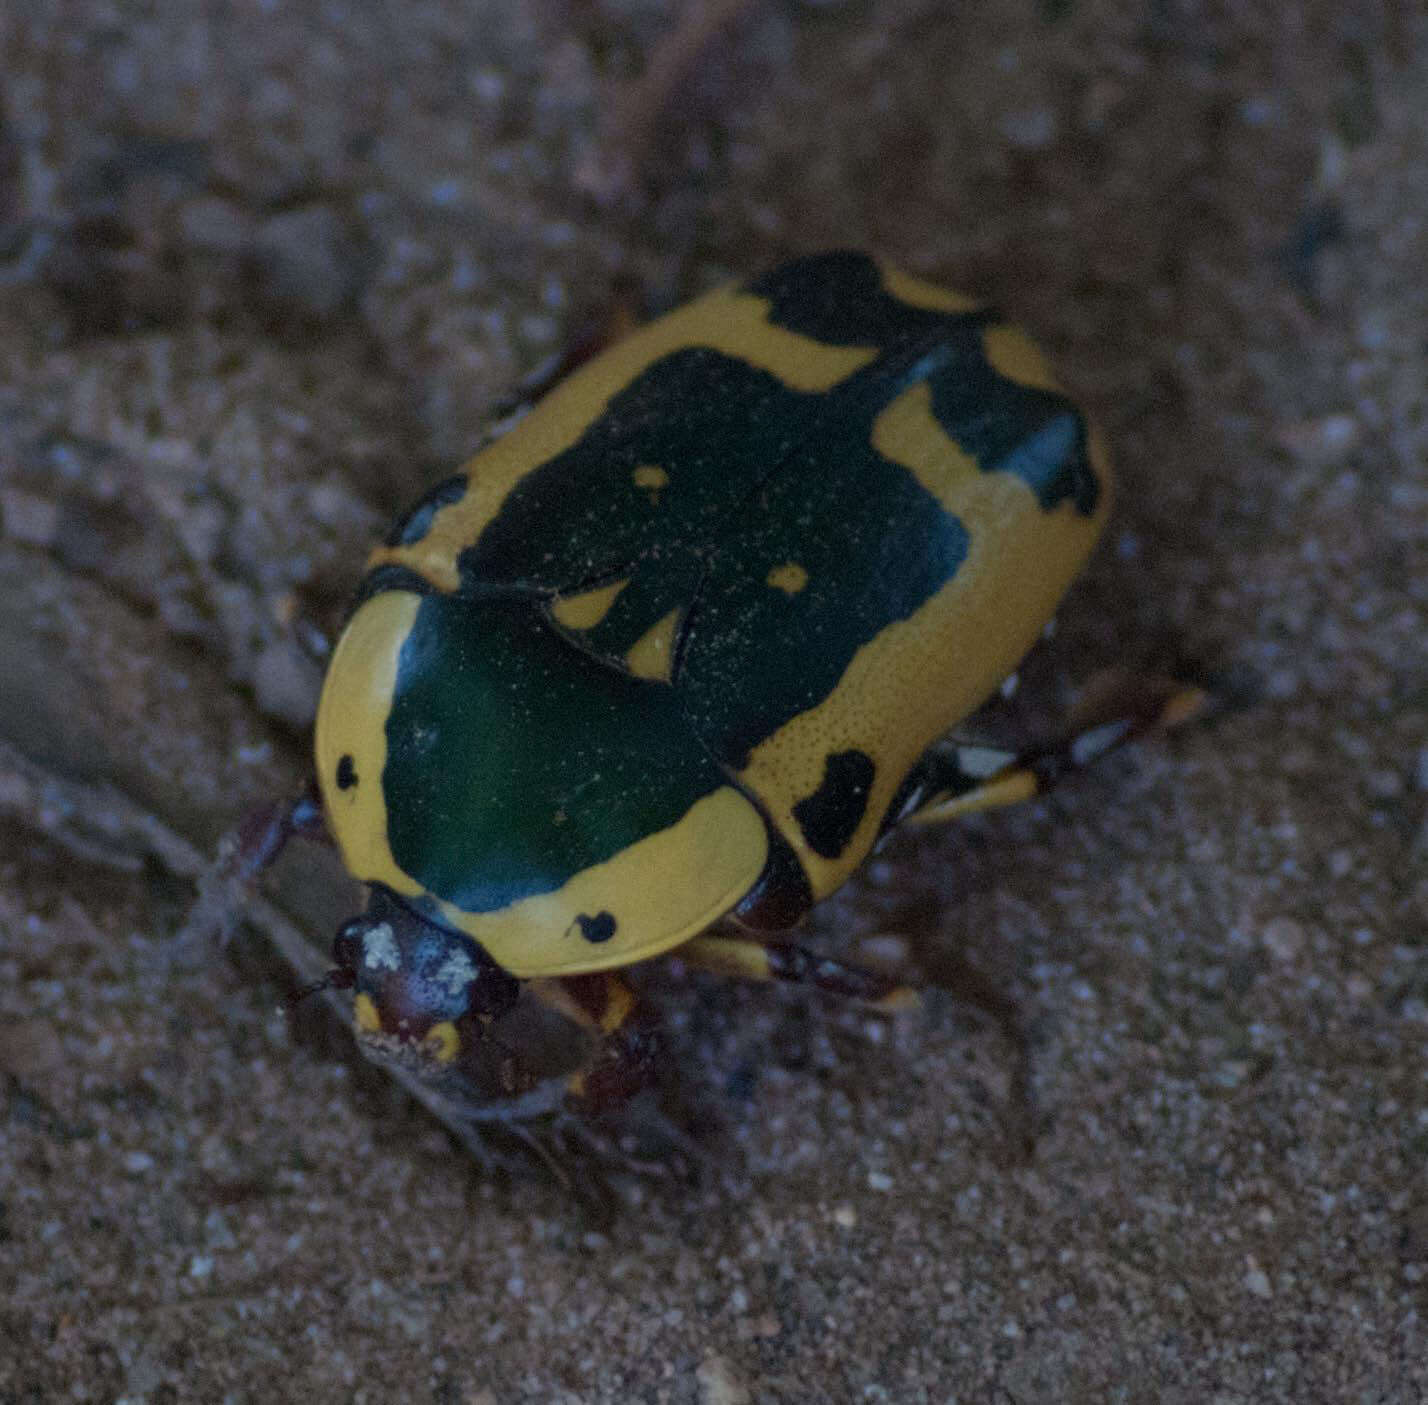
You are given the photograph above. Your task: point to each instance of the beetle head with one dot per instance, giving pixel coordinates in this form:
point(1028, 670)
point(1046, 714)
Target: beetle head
point(418, 987)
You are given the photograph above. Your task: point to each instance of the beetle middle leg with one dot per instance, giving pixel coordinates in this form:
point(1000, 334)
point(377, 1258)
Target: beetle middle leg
point(769, 959)
point(954, 780)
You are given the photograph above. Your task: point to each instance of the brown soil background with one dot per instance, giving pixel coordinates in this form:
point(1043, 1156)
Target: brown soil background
point(265, 268)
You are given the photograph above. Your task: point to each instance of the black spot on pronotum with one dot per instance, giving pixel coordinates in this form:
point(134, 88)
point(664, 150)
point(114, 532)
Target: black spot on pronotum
point(599, 928)
point(346, 773)
point(831, 815)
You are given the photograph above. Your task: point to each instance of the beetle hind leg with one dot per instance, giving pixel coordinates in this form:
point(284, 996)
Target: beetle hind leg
point(954, 779)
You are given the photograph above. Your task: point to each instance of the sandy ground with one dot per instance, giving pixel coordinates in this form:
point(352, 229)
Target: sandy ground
point(266, 267)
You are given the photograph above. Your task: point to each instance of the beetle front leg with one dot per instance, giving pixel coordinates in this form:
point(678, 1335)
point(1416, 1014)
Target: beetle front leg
point(244, 855)
point(626, 1057)
point(954, 780)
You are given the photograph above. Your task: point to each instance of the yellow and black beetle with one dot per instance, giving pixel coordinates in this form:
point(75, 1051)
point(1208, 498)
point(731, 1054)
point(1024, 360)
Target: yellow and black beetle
point(659, 667)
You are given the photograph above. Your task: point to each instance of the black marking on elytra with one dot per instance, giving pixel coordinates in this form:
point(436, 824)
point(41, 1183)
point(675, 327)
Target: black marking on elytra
point(410, 529)
point(599, 928)
point(760, 474)
point(831, 815)
point(838, 298)
point(346, 772)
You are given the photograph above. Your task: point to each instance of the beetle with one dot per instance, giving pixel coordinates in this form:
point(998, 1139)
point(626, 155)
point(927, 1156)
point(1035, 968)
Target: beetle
point(660, 666)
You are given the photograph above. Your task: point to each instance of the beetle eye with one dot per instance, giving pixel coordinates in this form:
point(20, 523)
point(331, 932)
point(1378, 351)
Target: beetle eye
point(347, 947)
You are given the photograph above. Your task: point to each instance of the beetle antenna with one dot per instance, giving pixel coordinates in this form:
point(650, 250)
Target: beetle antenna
point(338, 978)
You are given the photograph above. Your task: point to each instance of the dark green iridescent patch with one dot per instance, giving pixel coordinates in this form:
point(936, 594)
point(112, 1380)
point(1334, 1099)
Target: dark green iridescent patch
point(515, 761)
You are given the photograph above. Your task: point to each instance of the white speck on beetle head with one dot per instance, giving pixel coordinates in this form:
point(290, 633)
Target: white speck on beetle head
point(456, 973)
point(379, 948)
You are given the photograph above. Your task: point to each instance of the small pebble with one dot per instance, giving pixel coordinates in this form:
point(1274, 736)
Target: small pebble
point(1032, 129)
point(309, 265)
point(29, 1048)
point(718, 1385)
point(1257, 1281)
point(1283, 938)
point(1326, 440)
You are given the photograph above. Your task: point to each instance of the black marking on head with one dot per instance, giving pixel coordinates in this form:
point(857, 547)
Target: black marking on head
point(831, 815)
point(409, 530)
point(599, 928)
point(346, 772)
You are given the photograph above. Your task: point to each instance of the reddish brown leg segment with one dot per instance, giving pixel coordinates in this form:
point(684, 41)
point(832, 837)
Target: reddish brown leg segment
point(757, 959)
point(626, 1056)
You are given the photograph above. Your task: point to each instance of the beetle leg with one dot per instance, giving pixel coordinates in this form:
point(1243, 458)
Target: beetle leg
point(244, 855)
point(264, 834)
point(625, 1061)
point(758, 959)
point(955, 780)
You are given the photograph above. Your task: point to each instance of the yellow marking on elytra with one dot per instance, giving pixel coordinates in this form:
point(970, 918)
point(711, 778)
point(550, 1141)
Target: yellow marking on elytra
point(920, 675)
point(904, 431)
point(356, 697)
point(719, 847)
point(727, 320)
point(652, 654)
point(586, 610)
point(442, 1042)
point(619, 1001)
point(789, 578)
point(652, 479)
point(365, 1016)
point(905, 288)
